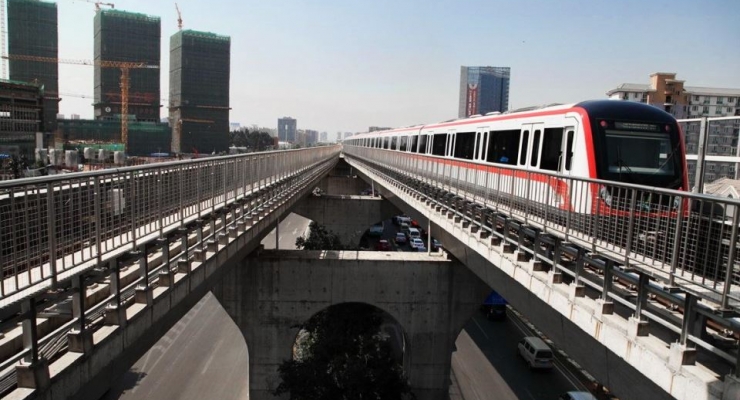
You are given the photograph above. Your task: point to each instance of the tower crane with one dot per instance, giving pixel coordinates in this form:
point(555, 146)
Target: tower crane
point(100, 3)
point(179, 17)
point(124, 66)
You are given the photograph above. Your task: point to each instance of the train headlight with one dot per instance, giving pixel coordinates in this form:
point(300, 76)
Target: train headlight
point(605, 195)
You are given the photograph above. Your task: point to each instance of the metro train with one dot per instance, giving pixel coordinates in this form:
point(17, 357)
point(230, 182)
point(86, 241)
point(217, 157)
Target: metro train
point(607, 140)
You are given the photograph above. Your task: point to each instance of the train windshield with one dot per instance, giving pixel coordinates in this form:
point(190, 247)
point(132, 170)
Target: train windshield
point(641, 153)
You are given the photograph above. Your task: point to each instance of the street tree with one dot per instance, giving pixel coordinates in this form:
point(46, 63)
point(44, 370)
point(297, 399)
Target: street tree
point(342, 355)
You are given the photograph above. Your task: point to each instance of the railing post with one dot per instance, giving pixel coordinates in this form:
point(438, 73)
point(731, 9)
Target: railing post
point(630, 227)
point(115, 313)
point(689, 317)
point(143, 294)
point(730, 261)
point(52, 224)
point(642, 294)
point(33, 371)
point(701, 154)
point(132, 209)
point(80, 340)
point(97, 199)
point(676, 244)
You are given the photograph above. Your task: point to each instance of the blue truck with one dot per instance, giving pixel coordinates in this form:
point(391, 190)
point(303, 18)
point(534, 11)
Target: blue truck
point(494, 306)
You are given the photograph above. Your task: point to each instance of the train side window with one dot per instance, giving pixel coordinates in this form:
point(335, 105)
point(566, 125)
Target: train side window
point(569, 150)
point(412, 143)
point(422, 147)
point(394, 143)
point(523, 148)
point(402, 143)
point(464, 145)
point(552, 142)
point(386, 142)
point(535, 149)
point(502, 146)
point(439, 144)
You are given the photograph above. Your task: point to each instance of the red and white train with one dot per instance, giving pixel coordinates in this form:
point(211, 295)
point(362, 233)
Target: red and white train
point(608, 140)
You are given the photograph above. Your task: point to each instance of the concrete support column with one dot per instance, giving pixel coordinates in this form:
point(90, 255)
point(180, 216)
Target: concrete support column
point(283, 289)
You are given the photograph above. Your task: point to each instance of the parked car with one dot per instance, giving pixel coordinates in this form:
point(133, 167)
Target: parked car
point(414, 233)
point(535, 352)
point(377, 229)
point(404, 229)
point(400, 238)
point(383, 245)
point(417, 244)
point(436, 245)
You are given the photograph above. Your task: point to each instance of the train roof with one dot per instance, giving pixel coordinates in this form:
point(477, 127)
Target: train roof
point(614, 109)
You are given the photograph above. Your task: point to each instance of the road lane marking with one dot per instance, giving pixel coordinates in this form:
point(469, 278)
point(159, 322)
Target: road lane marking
point(211, 357)
point(480, 327)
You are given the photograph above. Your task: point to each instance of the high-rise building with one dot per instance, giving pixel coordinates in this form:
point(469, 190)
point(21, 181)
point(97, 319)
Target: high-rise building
point(22, 107)
point(287, 129)
point(483, 90)
point(130, 37)
point(199, 91)
point(312, 136)
point(32, 31)
point(323, 137)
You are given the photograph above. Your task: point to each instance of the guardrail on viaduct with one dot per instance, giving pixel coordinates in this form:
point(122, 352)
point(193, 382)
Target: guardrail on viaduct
point(677, 248)
point(63, 235)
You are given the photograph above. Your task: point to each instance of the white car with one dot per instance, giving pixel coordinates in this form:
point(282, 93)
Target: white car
point(417, 244)
point(577, 396)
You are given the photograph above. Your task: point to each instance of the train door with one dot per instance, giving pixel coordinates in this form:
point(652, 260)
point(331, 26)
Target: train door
point(450, 168)
point(479, 154)
point(565, 163)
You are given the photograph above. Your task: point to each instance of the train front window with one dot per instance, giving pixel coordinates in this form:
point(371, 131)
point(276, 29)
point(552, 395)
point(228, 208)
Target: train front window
point(632, 152)
point(643, 153)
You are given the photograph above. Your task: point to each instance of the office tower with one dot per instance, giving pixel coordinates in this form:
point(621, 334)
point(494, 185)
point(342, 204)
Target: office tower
point(287, 129)
point(32, 31)
point(483, 90)
point(129, 37)
point(199, 91)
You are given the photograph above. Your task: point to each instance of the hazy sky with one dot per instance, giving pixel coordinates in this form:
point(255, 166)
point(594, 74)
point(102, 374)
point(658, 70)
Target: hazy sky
point(343, 65)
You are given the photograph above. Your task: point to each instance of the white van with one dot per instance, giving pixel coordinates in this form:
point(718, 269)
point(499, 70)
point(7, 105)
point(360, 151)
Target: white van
point(535, 352)
point(414, 233)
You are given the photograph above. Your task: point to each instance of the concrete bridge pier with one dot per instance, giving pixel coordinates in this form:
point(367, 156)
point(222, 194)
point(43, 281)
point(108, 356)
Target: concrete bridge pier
point(431, 298)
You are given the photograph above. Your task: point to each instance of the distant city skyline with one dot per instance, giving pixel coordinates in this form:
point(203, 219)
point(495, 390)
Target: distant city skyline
point(339, 76)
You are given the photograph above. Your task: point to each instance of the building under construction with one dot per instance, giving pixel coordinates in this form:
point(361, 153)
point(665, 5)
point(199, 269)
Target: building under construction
point(144, 138)
point(32, 31)
point(199, 91)
point(21, 108)
point(129, 37)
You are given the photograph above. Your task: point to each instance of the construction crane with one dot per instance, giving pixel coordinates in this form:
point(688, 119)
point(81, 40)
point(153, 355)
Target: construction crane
point(125, 67)
point(179, 17)
point(100, 3)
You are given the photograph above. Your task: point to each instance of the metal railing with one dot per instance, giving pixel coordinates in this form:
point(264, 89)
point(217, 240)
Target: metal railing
point(712, 148)
point(682, 240)
point(58, 226)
